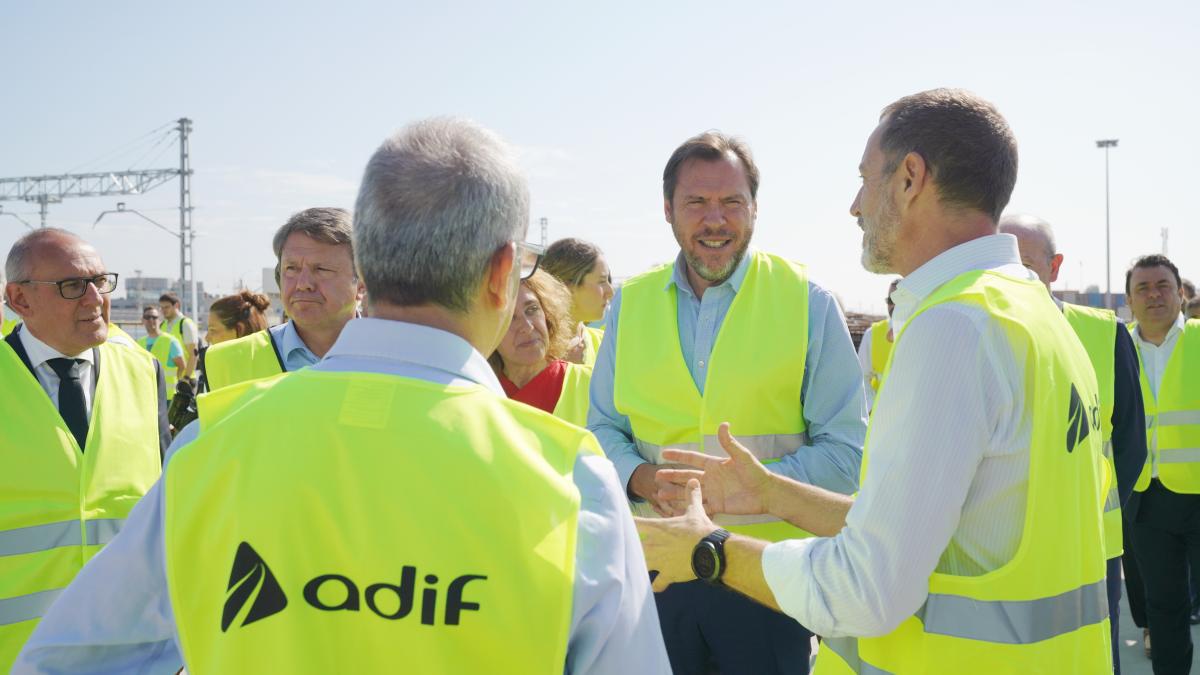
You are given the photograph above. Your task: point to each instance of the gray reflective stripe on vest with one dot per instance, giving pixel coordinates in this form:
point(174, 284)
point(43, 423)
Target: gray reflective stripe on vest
point(1015, 622)
point(1177, 418)
point(1178, 455)
point(26, 607)
point(1113, 501)
point(55, 535)
point(1108, 449)
point(847, 649)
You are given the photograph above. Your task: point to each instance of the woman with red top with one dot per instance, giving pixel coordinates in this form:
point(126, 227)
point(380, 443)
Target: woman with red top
point(529, 361)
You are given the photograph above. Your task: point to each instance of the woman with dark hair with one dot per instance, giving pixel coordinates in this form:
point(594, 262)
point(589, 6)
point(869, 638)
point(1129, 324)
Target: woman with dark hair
point(237, 315)
point(529, 360)
point(582, 267)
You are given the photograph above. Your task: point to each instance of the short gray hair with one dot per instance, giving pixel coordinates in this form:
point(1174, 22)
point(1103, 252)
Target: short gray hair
point(437, 200)
point(16, 266)
point(324, 224)
point(1032, 224)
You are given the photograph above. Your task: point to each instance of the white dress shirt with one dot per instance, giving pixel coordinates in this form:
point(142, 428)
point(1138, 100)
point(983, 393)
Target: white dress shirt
point(946, 483)
point(116, 616)
point(1154, 364)
point(39, 353)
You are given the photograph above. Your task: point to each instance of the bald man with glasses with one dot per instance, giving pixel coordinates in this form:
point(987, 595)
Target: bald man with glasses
point(84, 427)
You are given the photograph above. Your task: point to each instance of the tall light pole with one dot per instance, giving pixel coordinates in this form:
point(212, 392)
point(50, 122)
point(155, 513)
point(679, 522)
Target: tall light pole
point(1108, 301)
point(184, 235)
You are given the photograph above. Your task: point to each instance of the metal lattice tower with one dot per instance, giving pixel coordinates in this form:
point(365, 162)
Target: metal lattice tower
point(46, 190)
point(545, 223)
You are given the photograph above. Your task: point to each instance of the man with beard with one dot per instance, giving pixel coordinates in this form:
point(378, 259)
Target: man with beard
point(725, 334)
point(975, 542)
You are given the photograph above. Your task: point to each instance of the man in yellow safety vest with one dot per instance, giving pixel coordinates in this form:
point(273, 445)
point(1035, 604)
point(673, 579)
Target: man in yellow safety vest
point(388, 509)
point(164, 346)
point(975, 543)
point(875, 349)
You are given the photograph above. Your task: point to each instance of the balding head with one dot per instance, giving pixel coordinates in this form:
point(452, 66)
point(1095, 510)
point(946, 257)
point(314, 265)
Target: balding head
point(34, 264)
point(1035, 239)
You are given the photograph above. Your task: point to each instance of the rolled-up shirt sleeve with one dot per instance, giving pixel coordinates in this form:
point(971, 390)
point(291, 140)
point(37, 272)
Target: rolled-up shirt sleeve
point(874, 573)
point(835, 405)
point(610, 427)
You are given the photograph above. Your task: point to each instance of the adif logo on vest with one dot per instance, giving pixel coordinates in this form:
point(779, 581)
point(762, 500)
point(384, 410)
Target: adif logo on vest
point(1079, 421)
point(336, 592)
point(251, 577)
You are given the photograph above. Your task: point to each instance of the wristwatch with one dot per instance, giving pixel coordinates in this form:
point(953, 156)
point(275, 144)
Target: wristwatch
point(708, 557)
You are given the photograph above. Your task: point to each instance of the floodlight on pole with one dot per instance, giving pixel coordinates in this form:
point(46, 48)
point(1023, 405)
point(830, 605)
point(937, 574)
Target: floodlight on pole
point(1108, 303)
point(26, 223)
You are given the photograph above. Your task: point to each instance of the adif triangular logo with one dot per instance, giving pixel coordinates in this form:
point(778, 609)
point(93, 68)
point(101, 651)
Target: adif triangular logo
point(1078, 424)
point(251, 578)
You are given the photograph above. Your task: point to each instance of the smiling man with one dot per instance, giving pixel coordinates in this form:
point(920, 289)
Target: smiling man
point(1165, 529)
point(726, 333)
point(84, 426)
point(320, 290)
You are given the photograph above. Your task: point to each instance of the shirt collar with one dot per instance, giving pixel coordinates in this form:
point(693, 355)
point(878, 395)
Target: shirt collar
point(413, 343)
point(680, 279)
point(39, 352)
point(290, 341)
point(1175, 328)
point(992, 252)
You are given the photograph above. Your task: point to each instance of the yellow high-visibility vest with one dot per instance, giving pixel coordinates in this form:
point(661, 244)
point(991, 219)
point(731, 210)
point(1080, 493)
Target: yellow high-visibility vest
point(175, 327)
point(58, 505)
point(7, 325)
point(574, 400)
point(1046, 610)
point(1173, 417)
point(333, 544)
point(252, 357)
point(1097, 330)
point(592, 337)
point(754, 379)
point(161, 350)
point(881, 349)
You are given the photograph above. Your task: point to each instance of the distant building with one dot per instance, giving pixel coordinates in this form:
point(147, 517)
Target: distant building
point(1094, 297)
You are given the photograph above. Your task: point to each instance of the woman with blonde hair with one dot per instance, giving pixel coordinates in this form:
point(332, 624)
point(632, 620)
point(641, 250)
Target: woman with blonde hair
point(581, 266)
point(529, 361)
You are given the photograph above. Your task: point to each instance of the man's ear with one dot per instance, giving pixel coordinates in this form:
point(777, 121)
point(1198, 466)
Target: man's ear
point(18, 300)
point(916, 177)
point(1055, 264)
point(667, 212)
point(499, 275)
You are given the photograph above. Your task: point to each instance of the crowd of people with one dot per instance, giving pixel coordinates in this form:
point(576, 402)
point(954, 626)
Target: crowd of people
point(461, 453)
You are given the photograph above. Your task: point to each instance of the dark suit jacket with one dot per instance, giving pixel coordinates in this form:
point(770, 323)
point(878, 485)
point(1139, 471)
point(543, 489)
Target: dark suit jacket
point(164, 428)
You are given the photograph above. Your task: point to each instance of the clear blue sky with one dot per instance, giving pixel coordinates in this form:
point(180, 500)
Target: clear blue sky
point(289, 100)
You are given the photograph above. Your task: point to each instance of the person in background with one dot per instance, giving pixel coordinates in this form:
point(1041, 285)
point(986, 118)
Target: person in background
point(8, 318)
point(1189, 290)
point(184, 330)
point(83, 426)
point(529, 360)
point(1193, 308)
point(1165, 530)
point(582, 267)
point(1110, 349)
point(875, 348)
point(164, 347)
point(236, 316)
point(320, 289)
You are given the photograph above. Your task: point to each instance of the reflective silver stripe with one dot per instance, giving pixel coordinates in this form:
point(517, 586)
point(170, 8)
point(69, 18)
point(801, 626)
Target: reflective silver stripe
point(1108, 449)
point(102, 530)
point(1178, 455)
point(1015, 622)
point(26, 607)
point(1113, 501)
point(38, 538)
point(1175, 418)
point(847, 649)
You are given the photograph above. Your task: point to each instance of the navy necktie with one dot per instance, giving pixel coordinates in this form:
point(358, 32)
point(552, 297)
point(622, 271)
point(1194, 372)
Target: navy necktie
point(71, 404)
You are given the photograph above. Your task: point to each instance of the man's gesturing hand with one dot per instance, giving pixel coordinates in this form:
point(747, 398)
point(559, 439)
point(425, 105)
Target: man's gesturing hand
point(668, 542)
point(736, 485)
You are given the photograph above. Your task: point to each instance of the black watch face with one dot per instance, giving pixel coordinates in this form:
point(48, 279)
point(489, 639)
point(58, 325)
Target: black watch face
point(704, 561)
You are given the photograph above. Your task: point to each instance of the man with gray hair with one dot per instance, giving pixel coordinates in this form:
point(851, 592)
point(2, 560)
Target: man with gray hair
point(320, 289)
point(1111, 351)
point(413, 517)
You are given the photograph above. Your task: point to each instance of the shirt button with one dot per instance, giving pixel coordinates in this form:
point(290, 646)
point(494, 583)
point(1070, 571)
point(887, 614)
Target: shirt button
point(700, 363)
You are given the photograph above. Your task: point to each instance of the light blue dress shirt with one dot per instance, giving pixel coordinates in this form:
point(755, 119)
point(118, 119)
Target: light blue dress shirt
point(116, 617)
point(296, 354)
point(835, 406)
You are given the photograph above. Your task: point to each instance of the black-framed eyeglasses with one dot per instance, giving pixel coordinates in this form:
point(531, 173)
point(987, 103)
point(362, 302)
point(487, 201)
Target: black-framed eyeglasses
point(530, 257)
point(73, 289)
